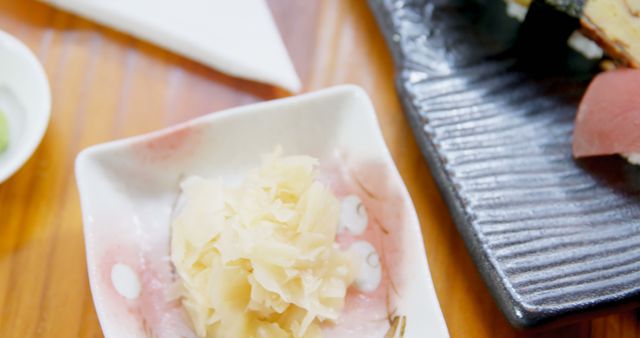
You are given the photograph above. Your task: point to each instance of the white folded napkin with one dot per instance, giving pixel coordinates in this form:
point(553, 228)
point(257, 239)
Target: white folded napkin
point(237, 37)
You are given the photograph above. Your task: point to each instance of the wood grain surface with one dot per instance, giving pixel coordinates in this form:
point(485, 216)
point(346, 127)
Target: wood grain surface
point(107, 85)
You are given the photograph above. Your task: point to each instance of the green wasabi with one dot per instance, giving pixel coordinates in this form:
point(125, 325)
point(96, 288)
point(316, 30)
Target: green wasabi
point(4, 132)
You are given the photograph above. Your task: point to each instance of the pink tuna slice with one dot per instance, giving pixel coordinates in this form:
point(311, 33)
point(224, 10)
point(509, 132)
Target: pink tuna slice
point(608, 119)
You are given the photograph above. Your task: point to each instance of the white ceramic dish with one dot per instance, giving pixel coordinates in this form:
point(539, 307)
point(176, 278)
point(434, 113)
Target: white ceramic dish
point(25, 99)
point(239, 38)
point(128, 189)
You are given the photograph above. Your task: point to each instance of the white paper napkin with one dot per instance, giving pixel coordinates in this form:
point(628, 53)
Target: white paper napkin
point(237, 37)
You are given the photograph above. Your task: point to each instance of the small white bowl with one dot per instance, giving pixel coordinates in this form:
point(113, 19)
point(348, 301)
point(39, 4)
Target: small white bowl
point(25, 99)
point(128, 189)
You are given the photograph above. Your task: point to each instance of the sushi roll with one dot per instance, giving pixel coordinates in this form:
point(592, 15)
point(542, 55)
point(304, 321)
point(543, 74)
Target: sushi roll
point(608, 117)
point(588, 26)
point(615, 25)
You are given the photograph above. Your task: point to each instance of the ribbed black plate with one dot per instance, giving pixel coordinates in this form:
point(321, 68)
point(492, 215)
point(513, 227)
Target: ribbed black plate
point(553, 237)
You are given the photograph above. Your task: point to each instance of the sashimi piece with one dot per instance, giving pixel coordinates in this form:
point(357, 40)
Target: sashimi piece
point(608, 119)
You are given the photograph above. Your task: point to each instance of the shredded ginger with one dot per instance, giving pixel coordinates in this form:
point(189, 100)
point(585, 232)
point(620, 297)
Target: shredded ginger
point(260, 259)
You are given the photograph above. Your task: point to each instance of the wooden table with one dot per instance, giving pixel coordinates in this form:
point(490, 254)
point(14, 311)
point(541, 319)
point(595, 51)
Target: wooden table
point(107, 85)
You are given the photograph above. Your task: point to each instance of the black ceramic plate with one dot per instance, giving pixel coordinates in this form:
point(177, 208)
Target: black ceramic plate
point(553, 237)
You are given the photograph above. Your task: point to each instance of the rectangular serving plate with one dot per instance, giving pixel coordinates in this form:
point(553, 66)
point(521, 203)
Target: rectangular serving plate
point(555, 239)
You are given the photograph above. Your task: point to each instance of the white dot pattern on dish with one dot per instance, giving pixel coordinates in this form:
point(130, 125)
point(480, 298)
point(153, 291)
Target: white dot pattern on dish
point(370, 272)
point(125, 281)
point(353, 215)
